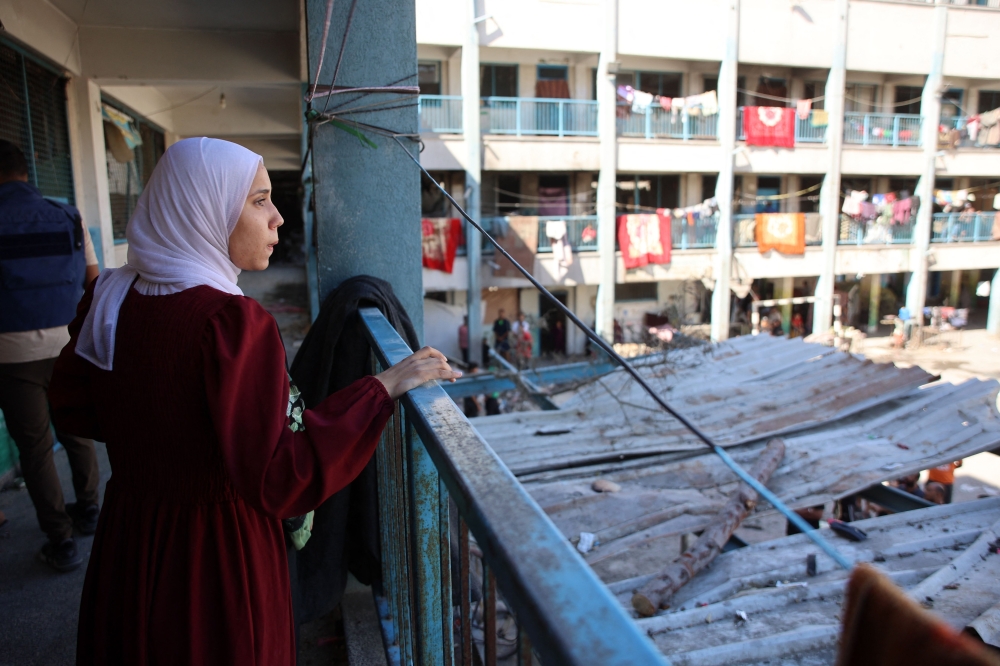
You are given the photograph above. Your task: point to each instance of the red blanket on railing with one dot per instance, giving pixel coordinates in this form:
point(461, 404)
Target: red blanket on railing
point(644, 239)
point(441, 238)
point(769, 126)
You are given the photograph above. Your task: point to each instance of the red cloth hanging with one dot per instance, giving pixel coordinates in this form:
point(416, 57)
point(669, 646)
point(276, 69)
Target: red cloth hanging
point(441, 238)
point(769, 126)
point(644, 239)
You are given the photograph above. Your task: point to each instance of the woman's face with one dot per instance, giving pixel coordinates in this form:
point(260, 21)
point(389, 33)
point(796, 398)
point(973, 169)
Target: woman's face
point(256, 232)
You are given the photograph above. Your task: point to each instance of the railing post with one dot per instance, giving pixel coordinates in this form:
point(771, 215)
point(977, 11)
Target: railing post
point(865, 125)
point(686, 118)
point(975, 229)
point(649, 122)
point(562, 111)
point(425, 489)
point(517, 126)
point(895, 131)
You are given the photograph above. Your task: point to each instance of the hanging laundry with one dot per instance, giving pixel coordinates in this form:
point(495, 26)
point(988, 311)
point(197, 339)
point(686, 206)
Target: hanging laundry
point(627, 93)
point(868, 211)
point(641, 101)
point(989, 131)
point(692, 105)
point(709, 103)
point(521, 241)
point(644, 239)
point(803, 108)
point(676, 106)
point(441, 238)
point(996, 202)
point(589, 234)
point(972, 128)
point(820, 118)
point(783, 232)
point(562, 251)
point(853, 201)
point(769, 126)
point(666, 103)
point(902, 211)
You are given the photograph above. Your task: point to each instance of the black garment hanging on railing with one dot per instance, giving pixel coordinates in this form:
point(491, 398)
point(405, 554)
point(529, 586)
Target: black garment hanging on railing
point(345, 534)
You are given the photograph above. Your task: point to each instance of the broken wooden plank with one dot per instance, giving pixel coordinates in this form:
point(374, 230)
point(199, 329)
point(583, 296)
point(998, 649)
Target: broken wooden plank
point(658, 591)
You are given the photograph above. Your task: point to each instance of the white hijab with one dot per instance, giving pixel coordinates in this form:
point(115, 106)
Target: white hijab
point(178, 237)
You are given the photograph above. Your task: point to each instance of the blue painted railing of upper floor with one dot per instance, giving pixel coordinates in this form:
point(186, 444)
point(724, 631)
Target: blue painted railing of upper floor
point(964, 140)
point(441, 114)
point(882, 129)
point(656, 123)
point(521, 116)
point(963, 227)
point(854, 232)
point(439, 483)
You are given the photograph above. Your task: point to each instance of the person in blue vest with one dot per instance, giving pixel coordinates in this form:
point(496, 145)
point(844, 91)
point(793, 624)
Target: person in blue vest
point(46, 259)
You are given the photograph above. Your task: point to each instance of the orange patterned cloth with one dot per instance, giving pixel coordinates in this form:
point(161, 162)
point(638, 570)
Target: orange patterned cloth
point(784, 232)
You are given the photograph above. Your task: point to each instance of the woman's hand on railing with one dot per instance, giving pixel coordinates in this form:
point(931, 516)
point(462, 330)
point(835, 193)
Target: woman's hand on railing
point(416, 369)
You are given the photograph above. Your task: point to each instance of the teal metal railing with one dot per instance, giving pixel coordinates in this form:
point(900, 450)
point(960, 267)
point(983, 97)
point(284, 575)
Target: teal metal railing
point(694, 234)
point(656, 123)
point(523, 116)
point(853, 232)
point(441, 486)
point(882, 129)
point(962, 227)
point(440, 113)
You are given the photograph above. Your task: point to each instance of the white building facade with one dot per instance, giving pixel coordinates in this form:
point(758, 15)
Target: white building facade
point(887, 82)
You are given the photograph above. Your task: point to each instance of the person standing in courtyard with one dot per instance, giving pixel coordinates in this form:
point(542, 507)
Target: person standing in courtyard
point(185, 380)
point(46, 259)
point(501, 334)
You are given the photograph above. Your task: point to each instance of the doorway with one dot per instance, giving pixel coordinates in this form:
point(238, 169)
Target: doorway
point(552, 324)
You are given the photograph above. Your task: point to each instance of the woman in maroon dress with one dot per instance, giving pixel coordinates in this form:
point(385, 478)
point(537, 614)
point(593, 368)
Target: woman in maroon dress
point(185, 380)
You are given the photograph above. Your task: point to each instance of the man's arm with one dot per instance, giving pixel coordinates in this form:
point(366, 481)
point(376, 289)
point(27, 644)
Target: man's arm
point(92, 270)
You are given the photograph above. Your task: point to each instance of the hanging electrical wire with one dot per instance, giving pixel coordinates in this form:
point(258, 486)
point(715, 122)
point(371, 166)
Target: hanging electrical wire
point(762, 490)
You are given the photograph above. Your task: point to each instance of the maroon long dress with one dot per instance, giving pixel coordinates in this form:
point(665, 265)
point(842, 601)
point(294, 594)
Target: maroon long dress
point(188, 565)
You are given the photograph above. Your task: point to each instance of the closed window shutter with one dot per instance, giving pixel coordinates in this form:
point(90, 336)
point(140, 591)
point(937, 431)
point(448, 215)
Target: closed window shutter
point(33, 116)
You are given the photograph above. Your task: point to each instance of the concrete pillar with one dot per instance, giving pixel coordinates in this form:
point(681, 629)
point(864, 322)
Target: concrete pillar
point(930, 111)
point(793, 183)
point(875, 298)
point(786, 289)
point(829, 194)
point(722, 270)
point(993, 313)
point(473, 177)
point(607, 130)
point(359, 231)
point(90, 165)
point(955, 292)
point(692, 189)
point(454, 80)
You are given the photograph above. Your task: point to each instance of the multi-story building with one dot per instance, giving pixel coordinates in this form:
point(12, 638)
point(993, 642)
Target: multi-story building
point(887, 82)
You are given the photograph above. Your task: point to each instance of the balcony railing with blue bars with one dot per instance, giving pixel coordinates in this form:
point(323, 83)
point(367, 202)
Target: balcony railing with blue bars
point(440, 113)
point(854, 232)
point(882, 129)
point(521, 116)
point(581, 231)
point(440, 483)
point(694, 234)
point(805, 130)
point(656, 123)
point(978, 139)
point(963, 227)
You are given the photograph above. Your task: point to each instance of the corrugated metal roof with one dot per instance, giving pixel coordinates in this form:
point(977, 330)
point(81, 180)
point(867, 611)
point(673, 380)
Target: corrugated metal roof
point(741, 391)
point(857, 424)
point(939, 555)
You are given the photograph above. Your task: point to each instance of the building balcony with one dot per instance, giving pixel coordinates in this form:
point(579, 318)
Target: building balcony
point(521, 116)
point(659, 124)
point(700, 234)
point(882, 129)
point(963, 140)
point(962, 227)
point(853, 232)
point(745, 229)
point(440, 114)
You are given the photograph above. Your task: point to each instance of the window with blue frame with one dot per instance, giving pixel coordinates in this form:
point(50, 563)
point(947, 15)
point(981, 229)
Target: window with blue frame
point(498, 81)
point(552, 82)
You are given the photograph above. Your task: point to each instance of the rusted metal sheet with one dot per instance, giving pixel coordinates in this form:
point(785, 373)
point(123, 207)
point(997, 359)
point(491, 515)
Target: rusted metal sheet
point(745, 390)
